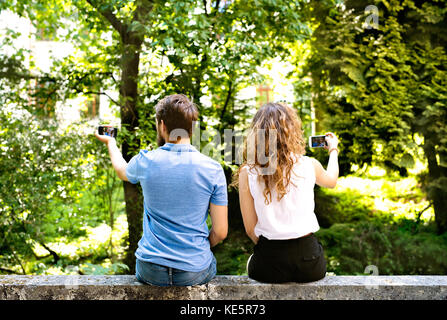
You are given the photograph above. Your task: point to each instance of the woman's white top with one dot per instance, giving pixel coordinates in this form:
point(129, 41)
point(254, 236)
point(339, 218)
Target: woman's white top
point(293, 216)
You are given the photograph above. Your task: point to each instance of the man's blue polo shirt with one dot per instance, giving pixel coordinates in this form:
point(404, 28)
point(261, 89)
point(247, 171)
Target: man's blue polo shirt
point(178, 184)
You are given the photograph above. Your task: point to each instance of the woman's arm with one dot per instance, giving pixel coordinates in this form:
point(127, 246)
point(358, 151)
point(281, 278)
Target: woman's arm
point(118, 162)
point(247, 206)
point(328, 178)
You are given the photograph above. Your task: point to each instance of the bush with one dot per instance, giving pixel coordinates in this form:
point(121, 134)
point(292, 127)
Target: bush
point(396, 249)
point(333, 208)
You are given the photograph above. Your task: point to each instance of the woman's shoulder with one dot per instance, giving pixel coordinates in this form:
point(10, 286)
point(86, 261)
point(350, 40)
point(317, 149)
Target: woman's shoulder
point(306, 163)
point(308, 159)
point(300, 159)
point(249, 170)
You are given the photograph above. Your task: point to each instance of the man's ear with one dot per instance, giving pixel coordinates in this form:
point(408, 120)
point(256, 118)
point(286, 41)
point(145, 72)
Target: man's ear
point(163, 128)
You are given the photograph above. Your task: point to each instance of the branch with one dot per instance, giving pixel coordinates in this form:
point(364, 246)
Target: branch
point(18, 260)
point(227, 100)
point(8, 271)
point(96, 92)
point(54, 254)
point(144, 7)
point(111, 75)
point(111, 17)
point(204, 6)
point(103, 93)
point(39, 257)
point(19, 75)
point(107, 73)
point(217, 6)
point(11, 248)
point(422, 211)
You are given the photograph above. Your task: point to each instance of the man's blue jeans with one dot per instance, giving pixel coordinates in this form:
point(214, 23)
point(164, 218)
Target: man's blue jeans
point(158, 275)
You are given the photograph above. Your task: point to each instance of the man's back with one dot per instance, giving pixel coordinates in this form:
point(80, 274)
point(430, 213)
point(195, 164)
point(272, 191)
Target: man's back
point(178, 184)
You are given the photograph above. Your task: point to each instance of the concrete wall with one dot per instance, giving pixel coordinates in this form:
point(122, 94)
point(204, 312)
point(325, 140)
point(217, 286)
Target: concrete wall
point(126, 287)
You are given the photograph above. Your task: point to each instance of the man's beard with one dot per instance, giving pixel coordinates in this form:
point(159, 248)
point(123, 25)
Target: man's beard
point(160, 140)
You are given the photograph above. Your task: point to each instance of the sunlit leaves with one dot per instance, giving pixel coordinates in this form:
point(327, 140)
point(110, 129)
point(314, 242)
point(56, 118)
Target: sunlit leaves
point(392, 85)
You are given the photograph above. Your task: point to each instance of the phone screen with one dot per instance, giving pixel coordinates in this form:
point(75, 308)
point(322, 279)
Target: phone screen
point(108, 131)
point(317, 141)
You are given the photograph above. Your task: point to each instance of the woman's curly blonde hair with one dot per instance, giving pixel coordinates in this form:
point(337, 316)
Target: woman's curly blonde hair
point(280, 120)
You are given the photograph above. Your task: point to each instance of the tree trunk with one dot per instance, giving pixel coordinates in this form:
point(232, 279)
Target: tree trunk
point(130, 59)
point(436, 192)
point(129, 119)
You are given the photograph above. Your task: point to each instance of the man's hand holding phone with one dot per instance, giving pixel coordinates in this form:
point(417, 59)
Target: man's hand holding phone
point(104, 138)
point(105, 134)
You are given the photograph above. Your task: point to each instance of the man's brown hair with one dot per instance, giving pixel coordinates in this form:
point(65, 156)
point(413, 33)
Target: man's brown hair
point(177, 112)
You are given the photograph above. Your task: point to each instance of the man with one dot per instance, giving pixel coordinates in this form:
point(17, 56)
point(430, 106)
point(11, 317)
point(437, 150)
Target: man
point(179, 186)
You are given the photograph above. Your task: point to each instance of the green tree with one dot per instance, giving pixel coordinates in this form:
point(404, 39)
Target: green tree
point(381, 88)
point(37, 167)
point(146, 49)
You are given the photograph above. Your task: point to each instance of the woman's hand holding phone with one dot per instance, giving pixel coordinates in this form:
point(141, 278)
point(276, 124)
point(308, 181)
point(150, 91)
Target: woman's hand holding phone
point(332, 141)
point(328, 178)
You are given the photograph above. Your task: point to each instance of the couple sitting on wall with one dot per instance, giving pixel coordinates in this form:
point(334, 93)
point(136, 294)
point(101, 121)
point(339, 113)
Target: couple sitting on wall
point(180, 185)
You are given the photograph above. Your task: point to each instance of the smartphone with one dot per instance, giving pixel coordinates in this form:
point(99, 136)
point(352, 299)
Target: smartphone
point(317, 141)
point(108, 131)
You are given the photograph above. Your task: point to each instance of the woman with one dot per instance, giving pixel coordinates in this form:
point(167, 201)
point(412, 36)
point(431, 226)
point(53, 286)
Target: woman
point(277, 199)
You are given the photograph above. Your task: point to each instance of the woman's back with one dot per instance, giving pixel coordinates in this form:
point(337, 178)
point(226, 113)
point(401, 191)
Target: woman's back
point(293, 216)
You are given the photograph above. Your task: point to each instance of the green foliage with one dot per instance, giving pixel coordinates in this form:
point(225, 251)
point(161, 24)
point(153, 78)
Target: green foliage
point(379, 88)
point(394, 248)
point(202, 49)
point(233, 253)
point(55, 189)
point(43, 170)
point(355, 234)
point(378, 221)
point(347, 207)
point(94, 269)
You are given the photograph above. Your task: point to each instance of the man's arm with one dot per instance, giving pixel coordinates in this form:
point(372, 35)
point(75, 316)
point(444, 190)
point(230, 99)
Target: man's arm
point(219, 224)
point(118, 162)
